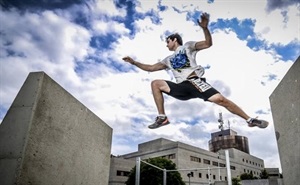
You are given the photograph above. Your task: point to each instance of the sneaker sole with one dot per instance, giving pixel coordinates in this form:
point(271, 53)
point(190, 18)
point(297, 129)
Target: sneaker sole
point(264, 125)
point(159, 125)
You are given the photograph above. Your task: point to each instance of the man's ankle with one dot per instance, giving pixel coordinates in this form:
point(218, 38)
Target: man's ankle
point(162, 115)
point(249, 120)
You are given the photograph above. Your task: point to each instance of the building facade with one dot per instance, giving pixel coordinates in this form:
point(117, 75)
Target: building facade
point(185, 157)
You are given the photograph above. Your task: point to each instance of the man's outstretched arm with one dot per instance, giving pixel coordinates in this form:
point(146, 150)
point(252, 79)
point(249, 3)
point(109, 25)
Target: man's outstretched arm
point(146, 67)
point(208, 40)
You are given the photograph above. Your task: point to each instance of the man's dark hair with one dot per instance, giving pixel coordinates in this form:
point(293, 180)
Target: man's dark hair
point(177, 36)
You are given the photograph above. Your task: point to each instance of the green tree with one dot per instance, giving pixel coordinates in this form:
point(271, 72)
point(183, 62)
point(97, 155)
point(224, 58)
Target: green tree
point(246, 176)
point(150, 175)
point(236, 181)
point(264, 174)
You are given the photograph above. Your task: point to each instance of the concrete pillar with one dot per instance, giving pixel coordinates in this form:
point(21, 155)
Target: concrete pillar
point(48, 137)
point(285, 105)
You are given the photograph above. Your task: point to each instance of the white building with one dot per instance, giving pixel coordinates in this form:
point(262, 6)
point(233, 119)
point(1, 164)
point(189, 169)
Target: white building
point(188, 157)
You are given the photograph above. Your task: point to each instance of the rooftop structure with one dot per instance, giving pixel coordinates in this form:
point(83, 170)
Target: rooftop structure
point(225, 139)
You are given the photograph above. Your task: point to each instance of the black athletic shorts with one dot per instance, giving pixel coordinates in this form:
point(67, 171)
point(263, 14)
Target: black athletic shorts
point(192, 88)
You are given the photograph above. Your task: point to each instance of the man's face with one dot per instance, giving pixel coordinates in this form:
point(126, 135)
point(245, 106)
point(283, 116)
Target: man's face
point(171, 44)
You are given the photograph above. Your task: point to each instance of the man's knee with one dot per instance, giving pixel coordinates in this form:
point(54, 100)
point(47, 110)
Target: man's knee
point(160, 85)
point(156, 83)
point(218, 99)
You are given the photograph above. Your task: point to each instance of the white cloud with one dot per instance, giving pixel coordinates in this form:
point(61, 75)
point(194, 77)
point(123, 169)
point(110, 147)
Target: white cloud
point(108, 27)
point(106, 7)
point(40, 43)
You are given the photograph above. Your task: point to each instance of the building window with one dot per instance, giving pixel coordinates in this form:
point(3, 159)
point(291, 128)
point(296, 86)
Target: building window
point(171, 156)
point(222, 165)
point(192, 174)
point(207, 176)
point(205, 161)
point(196, 159)
point(214, 177)
point(200, 175)
point(122, 173)
point(225, 178)
point(232, 167)
point(215, 163)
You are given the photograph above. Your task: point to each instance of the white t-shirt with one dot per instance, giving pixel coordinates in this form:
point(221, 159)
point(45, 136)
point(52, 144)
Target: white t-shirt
point(183, 62)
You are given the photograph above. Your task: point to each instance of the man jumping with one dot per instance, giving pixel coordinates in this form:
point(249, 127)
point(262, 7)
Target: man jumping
point(189, 78)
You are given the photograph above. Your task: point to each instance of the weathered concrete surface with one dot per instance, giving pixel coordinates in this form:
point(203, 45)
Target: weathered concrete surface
point(262, 182)
point(220, 183)
point(48, 137)
point(285, 105)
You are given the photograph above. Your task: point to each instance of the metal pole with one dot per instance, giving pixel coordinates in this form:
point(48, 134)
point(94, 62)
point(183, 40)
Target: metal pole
point(193, 169)
point(228, 167)
point(209, 173)
point(153, 165)
point(165, 177)
point(219, 166)
point(137, 171)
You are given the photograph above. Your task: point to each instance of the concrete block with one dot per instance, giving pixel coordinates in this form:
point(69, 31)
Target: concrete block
point(220, 183)
point(285, 106)
point(255, 182)
point(48, 137)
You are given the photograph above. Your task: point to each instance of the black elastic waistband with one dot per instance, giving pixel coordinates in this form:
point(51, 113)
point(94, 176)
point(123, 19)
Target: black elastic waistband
point(193, 77)
point(196, 77)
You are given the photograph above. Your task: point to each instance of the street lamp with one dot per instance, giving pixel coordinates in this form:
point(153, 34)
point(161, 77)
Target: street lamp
point(189, 175)
point(219, 166)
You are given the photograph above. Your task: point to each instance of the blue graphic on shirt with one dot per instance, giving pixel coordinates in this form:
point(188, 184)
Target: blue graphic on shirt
point(180, 61)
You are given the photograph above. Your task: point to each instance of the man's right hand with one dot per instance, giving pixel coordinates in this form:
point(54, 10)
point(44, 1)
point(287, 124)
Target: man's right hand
point(204, 20)
point(128, 59)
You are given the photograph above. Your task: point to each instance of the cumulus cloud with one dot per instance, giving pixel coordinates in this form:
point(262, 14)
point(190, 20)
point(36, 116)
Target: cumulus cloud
point(34, 5)
point(281, 4)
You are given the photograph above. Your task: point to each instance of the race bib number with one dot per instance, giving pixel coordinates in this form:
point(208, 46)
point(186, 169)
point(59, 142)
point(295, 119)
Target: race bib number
point(200, 84)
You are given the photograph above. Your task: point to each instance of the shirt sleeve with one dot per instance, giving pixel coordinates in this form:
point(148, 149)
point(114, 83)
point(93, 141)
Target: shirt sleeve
point(191, 45)
point(166, 62)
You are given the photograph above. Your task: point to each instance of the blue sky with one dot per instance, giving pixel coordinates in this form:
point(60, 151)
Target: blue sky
point(80, 45)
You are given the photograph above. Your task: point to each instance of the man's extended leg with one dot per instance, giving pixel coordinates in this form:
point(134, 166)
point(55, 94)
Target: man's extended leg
point(229, 105)
point(233, 108)
point(158, 87)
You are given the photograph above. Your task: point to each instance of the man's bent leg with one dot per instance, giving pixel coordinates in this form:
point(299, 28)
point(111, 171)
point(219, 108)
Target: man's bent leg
point(158, 87)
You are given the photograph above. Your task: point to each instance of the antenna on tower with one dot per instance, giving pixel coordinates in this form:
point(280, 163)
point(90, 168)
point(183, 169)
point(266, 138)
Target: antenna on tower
point(220, 120)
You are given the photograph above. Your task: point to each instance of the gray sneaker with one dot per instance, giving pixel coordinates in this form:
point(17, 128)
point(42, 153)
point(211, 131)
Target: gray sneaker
point(258, 123)
point(159, 122)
